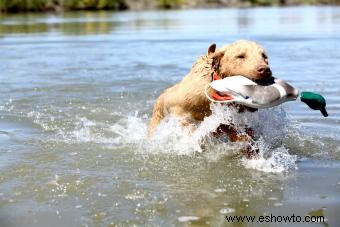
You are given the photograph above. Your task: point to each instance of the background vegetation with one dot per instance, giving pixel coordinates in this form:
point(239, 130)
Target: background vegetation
point(41, 5)
point(60, 5)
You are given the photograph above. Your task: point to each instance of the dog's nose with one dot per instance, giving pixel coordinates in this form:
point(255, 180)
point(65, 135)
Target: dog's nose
point(264, 70)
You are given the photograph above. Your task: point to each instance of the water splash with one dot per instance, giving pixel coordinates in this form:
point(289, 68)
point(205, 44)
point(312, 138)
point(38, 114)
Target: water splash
point(130, 130)
point(270, 128)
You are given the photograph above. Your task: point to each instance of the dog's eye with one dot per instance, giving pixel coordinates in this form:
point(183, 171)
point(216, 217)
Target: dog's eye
point(241, 56)
point(264, 56)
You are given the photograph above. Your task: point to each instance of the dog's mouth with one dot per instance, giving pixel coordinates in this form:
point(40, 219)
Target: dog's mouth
point(265, 81)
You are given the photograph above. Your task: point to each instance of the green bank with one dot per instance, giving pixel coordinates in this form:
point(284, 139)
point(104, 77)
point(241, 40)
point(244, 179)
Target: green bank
point(13, 6)
point(58, 5)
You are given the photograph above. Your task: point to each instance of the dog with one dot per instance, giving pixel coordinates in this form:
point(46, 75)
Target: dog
point(186, 100)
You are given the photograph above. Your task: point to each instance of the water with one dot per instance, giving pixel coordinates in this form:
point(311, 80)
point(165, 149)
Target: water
point(76, 95)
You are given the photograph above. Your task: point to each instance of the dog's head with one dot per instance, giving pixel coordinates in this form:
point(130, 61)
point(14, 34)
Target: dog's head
point(242, 57)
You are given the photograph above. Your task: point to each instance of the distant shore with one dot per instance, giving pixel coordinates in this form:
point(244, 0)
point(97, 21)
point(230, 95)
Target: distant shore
point(14, 6)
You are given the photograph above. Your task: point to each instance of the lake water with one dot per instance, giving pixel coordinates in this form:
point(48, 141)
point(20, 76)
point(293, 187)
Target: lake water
point(76, 96)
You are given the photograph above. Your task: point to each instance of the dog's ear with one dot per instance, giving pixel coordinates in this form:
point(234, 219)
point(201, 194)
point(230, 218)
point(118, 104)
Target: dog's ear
point(211, 49)
point(216, 57)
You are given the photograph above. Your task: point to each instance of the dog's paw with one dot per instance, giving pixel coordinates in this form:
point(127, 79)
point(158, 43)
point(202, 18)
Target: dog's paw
point(250, 151)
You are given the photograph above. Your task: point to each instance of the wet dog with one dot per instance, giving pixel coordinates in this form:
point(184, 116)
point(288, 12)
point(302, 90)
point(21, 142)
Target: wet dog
point(186, 100)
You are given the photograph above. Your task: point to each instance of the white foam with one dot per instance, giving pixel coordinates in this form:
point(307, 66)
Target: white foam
point(131, 129)
point(278, 161)
point(270, 127)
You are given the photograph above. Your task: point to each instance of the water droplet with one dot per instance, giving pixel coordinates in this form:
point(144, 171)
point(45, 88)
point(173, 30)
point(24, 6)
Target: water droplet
point(227, 210)
point(188, 218)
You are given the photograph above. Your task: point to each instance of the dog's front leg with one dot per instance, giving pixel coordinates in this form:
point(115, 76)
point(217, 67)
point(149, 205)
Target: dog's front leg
point(250, 150)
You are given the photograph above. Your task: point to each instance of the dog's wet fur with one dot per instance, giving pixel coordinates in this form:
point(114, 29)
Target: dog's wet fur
point(186, 100)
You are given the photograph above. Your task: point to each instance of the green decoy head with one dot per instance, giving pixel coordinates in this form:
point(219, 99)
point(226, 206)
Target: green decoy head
point(314, 101)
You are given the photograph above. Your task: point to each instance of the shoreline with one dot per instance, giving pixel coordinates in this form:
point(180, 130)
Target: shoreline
point(43, 6)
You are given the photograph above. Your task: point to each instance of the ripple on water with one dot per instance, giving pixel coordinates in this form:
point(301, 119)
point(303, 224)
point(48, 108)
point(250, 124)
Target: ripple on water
point(188, 218)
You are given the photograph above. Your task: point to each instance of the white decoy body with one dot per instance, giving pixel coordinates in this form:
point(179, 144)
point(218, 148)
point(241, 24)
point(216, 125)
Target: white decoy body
point(259, 95)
